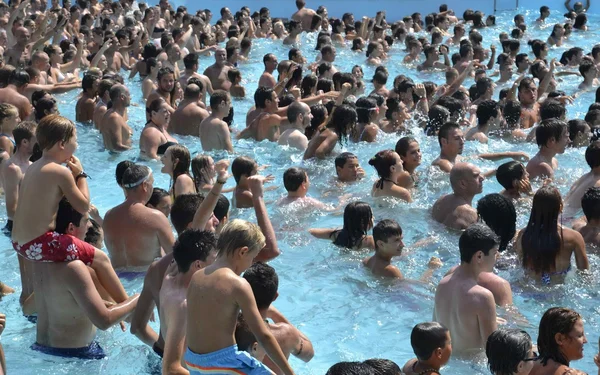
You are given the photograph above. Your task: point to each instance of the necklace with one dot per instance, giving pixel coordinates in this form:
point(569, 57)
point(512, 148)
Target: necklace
point(414, 366)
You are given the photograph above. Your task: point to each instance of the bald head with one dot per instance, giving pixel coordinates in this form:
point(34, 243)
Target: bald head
point(467, 178)
point(296, 109)
point(459, 172)
point(22, 35)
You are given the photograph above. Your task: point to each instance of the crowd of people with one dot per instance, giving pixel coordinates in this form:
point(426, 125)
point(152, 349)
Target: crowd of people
point(208, 274)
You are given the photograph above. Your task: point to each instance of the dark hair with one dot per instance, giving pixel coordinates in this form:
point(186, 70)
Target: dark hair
point(555, 320)
point(592, 116)
point(343, 121)
point(244, 337)
point(509, 172)
point(580, 21)
point(157, 195)
point(425, 338)
point(385, 229)
point(357, 220)
point(193, 245)
point(190, 60)
point(364, 109)
point(183, 210)
point(505, 349)
point(218, 97)
point(549, 129)
point(552, 108)
point(590, 203)
point(499, 214)
point(221, 208)
point(382, 161)
point(438, 115)
point(261, 96)
point(403, 144)
point(477, 237)
point(293, 178)
point(351, 368)
point(242, 165)
point(120, 170)
point(577, 126)
point(43, 105)
point(445, 131)
point(512, 112)
point(66, 214)
point(342, 158)
point(592, 154)
point(264, 283)
point(383, 366)
point(486, 110)
point(541, 241)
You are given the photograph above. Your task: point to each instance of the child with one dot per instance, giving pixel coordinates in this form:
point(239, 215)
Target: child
point(358, 220)
point(236, 90)
point(387, 235)
point(590, 229)
point(215, 297)
point(242, 168)
point(296, 183)
point(552, 136)
point(9, 118)
point(514, 179)
point(246, 340)
point(433, 347)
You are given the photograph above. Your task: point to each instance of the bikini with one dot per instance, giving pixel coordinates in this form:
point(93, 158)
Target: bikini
point(546, 276)
point(163, 148)
point(381, 181)
point(9, 138)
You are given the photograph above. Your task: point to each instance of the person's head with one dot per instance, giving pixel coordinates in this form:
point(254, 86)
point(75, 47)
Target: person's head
point(509, 352)
point(580, 21)
point(159, 113)
point(9, 117)
point(138, 180)
point(592, 117)
point(561, 336)
point(58, 134)
point(240, 241)
point(176, 161)
point(119, 95)
point(24, 134)
point(160, 200)
point(409, 151)
point(264, 283)
point(580, 132)
point(295, 180)
point(488, 113)
point(431, 342)
point(387, 235)
point(165, 79)
point(243, 167)
point(351, 368)
point(541, 241)
point(266, 98)
point(120, 170)
point(366, 110)
point(466, 178)
point(383, 366)
point(221, 212)
point(347, 167)
point(592, 154)
point(328, 53)
point(553, 134)
point(498, 213)
point(194, 250)
point(387, 163)
point(512, 113)
point(246, 340)
point(511, 175)
point(358, 220)
point(343, 120)
point(300, 114)
point(590, 203)
point(478, 246)
point(451, 139)
point(70, 221)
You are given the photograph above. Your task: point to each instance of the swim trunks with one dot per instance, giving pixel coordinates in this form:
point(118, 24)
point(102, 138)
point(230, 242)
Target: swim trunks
point(8, 228)
point(228, 361)
point(92, 351)
point(56, 247)
point(157, 349)
point(31, 318)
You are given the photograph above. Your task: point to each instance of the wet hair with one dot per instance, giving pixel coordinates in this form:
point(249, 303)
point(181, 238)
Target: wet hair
point(555, 320)
point(452, 104)
point(382, 161)
point(309, 84)
point(486, 110)
point(183, 210)
point(393, 105)
point(66, 214)
point(120, 170)
point(577, 126)
point(19, 78)
point(438, 115)
point(53, 129)
point(190, 60)
point(512, 112)
point(42, 105)
point(133, 175)
point(592, 154)
point(541, 241)
point(261, 96)
point(426, 337)
point(580, 21)
point(549, 129)
point(590, 203)
point(351, 368)
point(222, 208)
point(552, 108)
point(445, 131)
point(218, 97)
point(163, 72)
point(342, 121)
point(244, 337)
point(180, 152)
point(93, 235)
point(385, 229)
point(242, 165)
point(592, 116)
point(477, 237)
point(192, 245)
point(264, 283)
point(357, 220)
point(505, 349)
point(380, 77)
point(364, 109)
point(342, 158)
point(293, 178)
point(104, 86)
point(383, 366)
point(157, 195)
point(499, 214)
point(509, 172)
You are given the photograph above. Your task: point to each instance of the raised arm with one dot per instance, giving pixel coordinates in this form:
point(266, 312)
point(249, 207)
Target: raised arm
point(490, 63)
point(271, 250)
point(547, 78)
point(206, 208)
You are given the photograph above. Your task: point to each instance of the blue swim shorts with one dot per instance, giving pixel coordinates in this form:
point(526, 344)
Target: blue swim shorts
point(228, 361)
point(92, 351)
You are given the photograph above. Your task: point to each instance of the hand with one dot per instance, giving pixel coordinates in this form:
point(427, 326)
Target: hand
point(493, 48)
point(435, 263)
point(444, 50)
point(419, 90)
point(256, 183)
point(500, 321)
point(597, 360)
point(2, 322)
point(360, 172)
point(552, 64)
point(94, 214)
point(524, 186)
point(222, 174)
point(75, 166)
point(222, 164)
point(295, 91)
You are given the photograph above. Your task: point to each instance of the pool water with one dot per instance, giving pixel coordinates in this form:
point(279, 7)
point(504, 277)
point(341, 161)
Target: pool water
point(346, 312)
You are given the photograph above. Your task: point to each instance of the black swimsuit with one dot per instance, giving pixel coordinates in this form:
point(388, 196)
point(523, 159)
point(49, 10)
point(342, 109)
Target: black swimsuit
point(163, 148)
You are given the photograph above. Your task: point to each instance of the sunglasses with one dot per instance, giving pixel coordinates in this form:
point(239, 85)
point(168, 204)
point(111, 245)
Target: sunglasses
point(534, 358)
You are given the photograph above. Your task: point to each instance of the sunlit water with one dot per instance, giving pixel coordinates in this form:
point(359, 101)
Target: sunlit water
point(346, 312)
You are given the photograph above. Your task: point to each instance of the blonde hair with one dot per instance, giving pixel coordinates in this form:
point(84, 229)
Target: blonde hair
point(237, 234)
point(53, 129)
point(7, 110)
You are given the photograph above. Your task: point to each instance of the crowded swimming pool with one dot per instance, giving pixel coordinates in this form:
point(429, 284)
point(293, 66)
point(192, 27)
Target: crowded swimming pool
point(346, 312)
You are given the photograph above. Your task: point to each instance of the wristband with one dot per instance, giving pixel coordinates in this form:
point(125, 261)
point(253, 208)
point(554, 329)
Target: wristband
point(221, 182)
point(82, 175)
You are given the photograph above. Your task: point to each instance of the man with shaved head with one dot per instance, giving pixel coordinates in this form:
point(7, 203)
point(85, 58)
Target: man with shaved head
point(189, 114)
point(299, 116)
point(455, 210)
point(19, 52)
point(115, 131)
point(217, 72)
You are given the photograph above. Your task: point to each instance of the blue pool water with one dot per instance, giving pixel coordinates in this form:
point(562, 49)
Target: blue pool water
point(346, 312)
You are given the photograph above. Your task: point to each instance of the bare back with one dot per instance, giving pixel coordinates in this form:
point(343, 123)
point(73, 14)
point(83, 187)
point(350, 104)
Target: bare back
point(187, 118)
point(453, 212)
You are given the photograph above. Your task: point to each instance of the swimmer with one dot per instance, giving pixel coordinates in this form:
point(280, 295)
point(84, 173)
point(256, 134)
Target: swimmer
point(389, 168)
point(467, 309)
point(166, 83)
point(176, 163)
point(9, 118)
point(589, 71)
point(103, 98)
point(239, 243)
point(190, 61)
point(552, 136)
point(549, 259)
point(217, 73)
point(205, 170)
point(367, 113)
point(455, 210)
point(84, 109)
point(214, 132)
point(410, 154)
point(299, 115)
point(578, 7)
point(267, 79)
point(155, 139)
point(488, 117)
point(358, 220)
point(189, 114)
point(387, 237)
point(396, 116)
point(432, 345)
point(235, 78)
point(590, 229)
point(193, 251)
point(264, 283)
point(12, 93)
point(514, 179)
point(160, 201)
point(242, 169)
point(510, 351)
point(266, 121)
point(347, 168)
point(135, 235)
point(13, 170)
point(432, 57)
point(296, 183)
point(294, 31)
point(114, 128)
point(304, 15)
